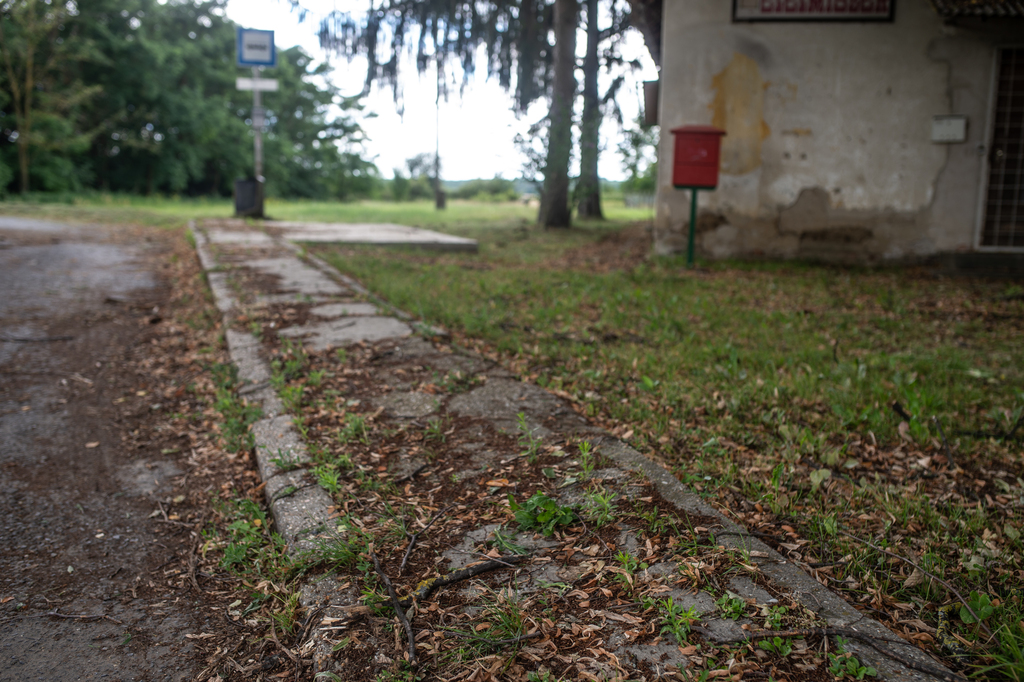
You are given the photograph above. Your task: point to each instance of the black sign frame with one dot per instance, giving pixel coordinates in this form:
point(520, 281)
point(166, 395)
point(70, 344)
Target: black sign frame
point(823, 19)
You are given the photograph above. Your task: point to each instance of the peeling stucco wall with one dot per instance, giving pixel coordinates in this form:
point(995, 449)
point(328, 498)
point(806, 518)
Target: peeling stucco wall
point(828, 153)
point(738, 107)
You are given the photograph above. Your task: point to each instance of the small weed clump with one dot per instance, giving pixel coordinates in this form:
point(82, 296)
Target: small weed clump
point(599, 508)
point(731, 606)
point(677, 620)
point(845, 665)
point(529, 443)
point(541, 513)
point(237, 414)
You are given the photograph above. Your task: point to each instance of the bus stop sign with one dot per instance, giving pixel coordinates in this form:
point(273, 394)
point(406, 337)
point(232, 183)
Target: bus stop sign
point(256, 48)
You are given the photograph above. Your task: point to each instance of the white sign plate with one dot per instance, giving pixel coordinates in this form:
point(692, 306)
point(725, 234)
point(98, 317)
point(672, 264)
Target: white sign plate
point(261, 84)
point(949, 129)
point(256, 48)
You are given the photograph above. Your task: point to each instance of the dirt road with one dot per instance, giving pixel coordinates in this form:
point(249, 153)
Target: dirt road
point(84, 565)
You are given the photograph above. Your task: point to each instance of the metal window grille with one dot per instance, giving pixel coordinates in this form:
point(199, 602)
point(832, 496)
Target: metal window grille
point(1004, 205)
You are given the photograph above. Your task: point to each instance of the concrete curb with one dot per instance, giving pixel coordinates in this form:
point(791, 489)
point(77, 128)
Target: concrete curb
point(299, 506)
point(829, 606)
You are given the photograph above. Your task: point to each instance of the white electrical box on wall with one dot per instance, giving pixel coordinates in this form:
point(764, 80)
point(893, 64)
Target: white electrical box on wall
point(949, 129)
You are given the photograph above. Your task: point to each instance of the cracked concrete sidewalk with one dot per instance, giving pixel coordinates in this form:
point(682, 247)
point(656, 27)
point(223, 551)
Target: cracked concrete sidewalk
point(239, 258)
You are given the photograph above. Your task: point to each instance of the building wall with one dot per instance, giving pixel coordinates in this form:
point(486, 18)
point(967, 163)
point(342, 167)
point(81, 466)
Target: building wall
point(828, 152)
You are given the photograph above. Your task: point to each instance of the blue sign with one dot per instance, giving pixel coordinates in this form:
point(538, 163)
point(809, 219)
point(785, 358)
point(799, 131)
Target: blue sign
point(256, 48)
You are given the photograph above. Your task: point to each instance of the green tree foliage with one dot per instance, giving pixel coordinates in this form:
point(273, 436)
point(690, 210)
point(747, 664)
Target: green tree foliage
point(496, 189)
point(418, 184)
point(37, 40)
point(513, 32)
point(302, 156)
point(639, 154)
point(170, 119)
point(148, 104)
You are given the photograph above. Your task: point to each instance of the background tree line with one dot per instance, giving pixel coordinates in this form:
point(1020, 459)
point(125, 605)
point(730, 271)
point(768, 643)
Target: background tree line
point(139, 96)
point(530, 48)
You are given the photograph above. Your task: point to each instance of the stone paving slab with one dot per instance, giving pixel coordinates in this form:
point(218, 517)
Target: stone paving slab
point(233, 231)
point(376, 234)
point(301, 509)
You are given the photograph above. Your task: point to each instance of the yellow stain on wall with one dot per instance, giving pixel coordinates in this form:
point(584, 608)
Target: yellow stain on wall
point(738, 109)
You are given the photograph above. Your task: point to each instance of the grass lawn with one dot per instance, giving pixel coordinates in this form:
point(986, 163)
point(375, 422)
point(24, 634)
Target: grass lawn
point(463, 218)
point(770, 388)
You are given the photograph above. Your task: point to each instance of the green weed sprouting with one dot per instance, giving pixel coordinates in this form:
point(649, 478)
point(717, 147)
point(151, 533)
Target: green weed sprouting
point(587, 459)
point(289, 365)
point(731, 606)
point(505, 541)
point(529, 443)
point(541, 513)
point(355, 429)
point(328, 476)
point(285, 461)
point(435, 430)
point(251, 548)
point(773, 621)
point(777, 645)
point(843, 664)
point(291, 397)
point(598, 508)
point(457, 382)
point(630, 564)
point(237, 414)
point(676, 620)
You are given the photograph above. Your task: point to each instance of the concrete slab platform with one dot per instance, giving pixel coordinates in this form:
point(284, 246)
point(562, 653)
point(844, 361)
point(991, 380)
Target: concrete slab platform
point(377, 234)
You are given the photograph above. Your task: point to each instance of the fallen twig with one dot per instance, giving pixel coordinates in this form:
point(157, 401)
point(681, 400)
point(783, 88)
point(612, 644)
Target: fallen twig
point(850, 633)
point(416, 535)
point(898, 409)
point(410, 476)
point(945, 443)
point(67, 616)
point(39, 339)
point(1016, 426)
point(927, 573)
point(273, 636)
point(399, 609)
point(429, 586)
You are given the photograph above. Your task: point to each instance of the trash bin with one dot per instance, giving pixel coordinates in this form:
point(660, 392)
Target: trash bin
point(248, 198)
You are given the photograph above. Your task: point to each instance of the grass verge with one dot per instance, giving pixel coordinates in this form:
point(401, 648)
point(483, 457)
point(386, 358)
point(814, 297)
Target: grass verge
point(852, 416)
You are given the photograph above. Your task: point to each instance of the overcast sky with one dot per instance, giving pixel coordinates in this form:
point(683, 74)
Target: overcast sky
point(476, 130)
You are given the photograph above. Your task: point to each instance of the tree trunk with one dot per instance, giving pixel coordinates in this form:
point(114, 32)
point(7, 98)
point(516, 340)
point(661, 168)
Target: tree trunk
point(22, 96)
point(588, 192)
point(554, 208)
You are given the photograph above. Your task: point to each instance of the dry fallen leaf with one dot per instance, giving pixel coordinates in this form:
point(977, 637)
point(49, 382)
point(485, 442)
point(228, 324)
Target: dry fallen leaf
point(914, 579)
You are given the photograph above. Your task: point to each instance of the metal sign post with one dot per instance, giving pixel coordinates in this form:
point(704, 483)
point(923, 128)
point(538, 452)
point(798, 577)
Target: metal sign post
point(255, 49)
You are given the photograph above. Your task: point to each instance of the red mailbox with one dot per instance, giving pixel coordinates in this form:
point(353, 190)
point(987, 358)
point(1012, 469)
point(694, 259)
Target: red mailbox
point(695, 162)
